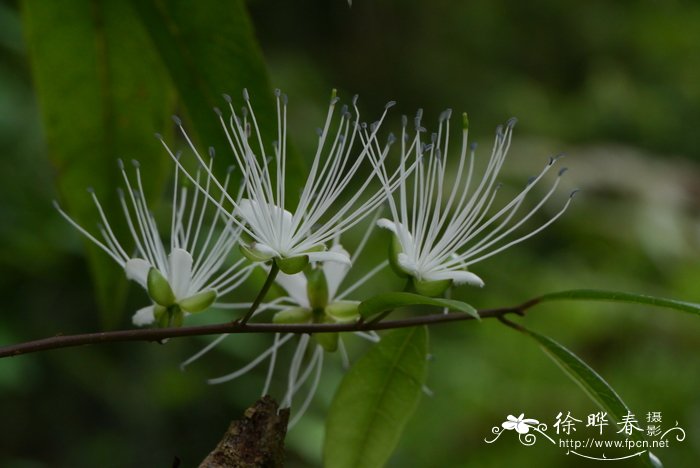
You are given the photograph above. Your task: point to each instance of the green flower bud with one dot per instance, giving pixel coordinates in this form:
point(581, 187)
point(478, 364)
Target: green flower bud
point(159, 289)
point(343, 311)
point(292, 315)
point(292, 265)
point(329, 341)
point(198, 302)
point(431, 288)
point(317, 288)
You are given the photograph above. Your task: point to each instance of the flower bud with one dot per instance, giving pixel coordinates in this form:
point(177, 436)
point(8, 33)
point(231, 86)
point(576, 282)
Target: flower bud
point(317, 288)
point(329, 341)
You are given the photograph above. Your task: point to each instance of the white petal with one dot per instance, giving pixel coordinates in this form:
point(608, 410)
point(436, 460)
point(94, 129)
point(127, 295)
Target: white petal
point(335, 271)
point(458, 276)
point(329, 256)
point(264, 250)
point(407, 264)
point(137, 269)
point(387, 224)
point(522, 428)
point(295, 285)
point(180, 273)
point(143, 316)
point(508, 425)
point(257, 214)
point(246, 210)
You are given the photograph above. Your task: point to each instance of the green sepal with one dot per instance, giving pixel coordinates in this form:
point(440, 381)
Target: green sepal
point(431, 288)
point(198, 302)
point(292, 265)
point(343, 311)
point(158, 313)
point(159, 289)
point(394, 250)
point(251, 254)
point(317, 288)
point(167, 317)
point(292, 315)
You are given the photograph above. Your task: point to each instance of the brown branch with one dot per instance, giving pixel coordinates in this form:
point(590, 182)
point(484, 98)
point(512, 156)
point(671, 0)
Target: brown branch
point(160, 334)
point(256, 440)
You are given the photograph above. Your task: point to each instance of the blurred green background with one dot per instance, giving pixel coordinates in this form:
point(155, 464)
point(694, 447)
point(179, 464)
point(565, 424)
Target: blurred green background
point(615, 85)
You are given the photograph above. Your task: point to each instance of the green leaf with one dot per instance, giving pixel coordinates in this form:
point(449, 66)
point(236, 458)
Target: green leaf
point(388, 301)
point(590, 382)
point(375, 401)
point(209, 48)
point(102, 91)
point(613, 296)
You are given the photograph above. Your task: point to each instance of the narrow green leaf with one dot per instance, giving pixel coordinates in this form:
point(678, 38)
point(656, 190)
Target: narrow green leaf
point(102, 92)
point(388, 301)
point(590, 382)
point(375, 401)
point(614, 296)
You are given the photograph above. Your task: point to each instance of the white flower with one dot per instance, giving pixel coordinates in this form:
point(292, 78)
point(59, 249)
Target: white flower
point(329, 203)
point(187, 276)
point(438, 234)
point(320, 303)
point(520, 424)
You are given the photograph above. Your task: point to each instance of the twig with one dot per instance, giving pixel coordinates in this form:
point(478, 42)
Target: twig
point(159, 334)
point(274, 269)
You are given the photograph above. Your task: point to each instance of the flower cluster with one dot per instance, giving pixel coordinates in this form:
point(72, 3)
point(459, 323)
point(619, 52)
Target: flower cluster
point(440, 225)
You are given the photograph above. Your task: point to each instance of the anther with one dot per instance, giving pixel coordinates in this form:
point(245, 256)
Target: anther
point(246, 96)
point(227, 98)
point(177, 120)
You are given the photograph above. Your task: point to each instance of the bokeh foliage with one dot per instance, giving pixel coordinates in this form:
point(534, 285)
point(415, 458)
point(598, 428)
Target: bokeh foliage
point(614, 84)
